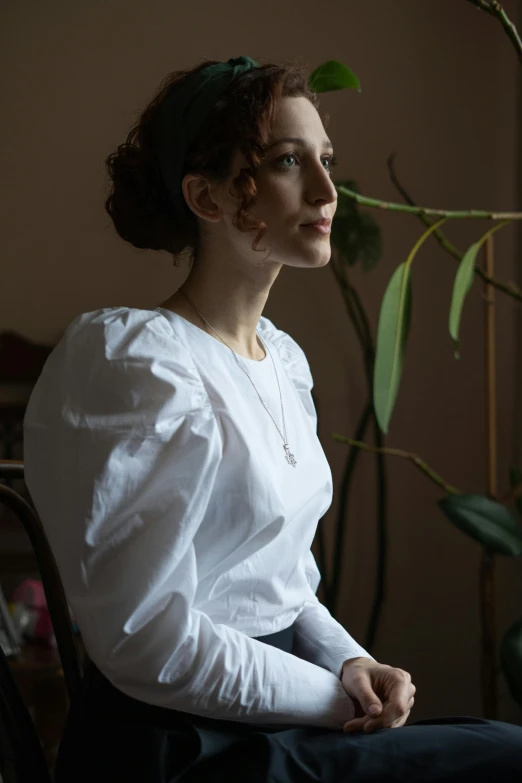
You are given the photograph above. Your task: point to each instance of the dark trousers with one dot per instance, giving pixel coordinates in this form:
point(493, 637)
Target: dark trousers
point(112, 738)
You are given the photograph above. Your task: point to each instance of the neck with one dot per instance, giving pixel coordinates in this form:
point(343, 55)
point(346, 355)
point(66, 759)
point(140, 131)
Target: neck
point(231, 303)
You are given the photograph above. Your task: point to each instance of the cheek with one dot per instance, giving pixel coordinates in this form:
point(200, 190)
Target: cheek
point(276, 198)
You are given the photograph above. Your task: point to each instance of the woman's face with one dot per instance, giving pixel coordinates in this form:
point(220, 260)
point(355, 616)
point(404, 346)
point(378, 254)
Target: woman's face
point(294, 186)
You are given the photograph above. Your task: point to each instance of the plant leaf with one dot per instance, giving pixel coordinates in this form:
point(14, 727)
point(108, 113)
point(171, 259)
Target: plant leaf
point(345, 233)
point(487, 521)
point(345, 203)
point(461, 287)
point(333, 75)
point(463, 283)
point(392, 336)
point(354, 234)
point(511, 659)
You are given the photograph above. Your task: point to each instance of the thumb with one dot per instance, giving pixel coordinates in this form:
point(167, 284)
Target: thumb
point(365, 695)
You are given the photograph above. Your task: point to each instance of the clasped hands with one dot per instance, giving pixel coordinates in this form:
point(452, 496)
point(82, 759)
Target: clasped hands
point(383, 695)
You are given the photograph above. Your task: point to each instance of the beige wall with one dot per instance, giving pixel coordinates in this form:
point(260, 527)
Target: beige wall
point(439, 84)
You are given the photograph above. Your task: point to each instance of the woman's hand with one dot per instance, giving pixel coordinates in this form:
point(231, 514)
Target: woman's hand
point(383, 695)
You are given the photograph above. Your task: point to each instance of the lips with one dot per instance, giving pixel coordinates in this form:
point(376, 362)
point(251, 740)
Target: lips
point(321, 222)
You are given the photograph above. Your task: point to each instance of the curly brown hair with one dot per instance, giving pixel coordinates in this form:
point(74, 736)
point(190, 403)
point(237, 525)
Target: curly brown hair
point(242, 118)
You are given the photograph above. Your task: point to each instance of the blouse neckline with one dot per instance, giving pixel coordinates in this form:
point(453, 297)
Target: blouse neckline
point(170, 313)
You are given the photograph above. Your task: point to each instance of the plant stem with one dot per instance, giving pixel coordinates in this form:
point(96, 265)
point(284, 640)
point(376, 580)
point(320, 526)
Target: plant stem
point(487, 566)
point(495, 9)
point(382, 541)
point(508, 288)
point(382, 494)
point(342, 516)
point(483, 5)
point(362, 328)
point(408, 455)
point(441, 213)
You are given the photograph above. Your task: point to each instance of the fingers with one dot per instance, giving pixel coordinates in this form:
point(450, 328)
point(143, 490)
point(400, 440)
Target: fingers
point(401, 692)
point(369, 724)
point(356, 725)
point(389, 718)
point(401, 721)
point(357, 681)
point(375, 724)
point(366, 682)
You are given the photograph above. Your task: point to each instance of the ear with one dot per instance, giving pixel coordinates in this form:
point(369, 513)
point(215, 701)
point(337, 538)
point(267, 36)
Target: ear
point(202, 197)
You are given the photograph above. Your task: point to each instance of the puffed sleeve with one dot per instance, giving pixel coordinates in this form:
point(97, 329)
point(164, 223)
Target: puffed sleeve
point(121, 450)
point(319, 638)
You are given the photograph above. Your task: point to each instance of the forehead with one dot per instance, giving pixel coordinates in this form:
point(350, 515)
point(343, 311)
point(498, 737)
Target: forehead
point(297, 117)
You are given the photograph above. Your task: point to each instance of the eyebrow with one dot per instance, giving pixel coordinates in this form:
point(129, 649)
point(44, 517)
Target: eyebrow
point(327, 144)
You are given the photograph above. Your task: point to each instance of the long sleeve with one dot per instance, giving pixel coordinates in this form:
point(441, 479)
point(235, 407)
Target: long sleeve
point(121, 449)
point(319, 638)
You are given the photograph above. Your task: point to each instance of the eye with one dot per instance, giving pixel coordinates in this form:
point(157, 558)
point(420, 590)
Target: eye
point(331, 159)
point(285, 157)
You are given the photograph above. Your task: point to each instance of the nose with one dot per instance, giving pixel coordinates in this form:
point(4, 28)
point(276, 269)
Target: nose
point(320, 186)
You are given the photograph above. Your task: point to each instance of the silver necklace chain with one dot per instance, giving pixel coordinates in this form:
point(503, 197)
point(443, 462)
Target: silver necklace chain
point(288, 455)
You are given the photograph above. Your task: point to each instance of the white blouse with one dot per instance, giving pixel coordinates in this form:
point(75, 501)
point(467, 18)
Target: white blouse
point(179, 528)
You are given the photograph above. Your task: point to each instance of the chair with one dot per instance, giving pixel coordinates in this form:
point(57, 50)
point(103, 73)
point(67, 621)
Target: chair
point(22, 756)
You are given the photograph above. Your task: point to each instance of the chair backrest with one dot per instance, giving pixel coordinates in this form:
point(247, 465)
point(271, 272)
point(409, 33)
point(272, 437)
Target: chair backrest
point(21, 756)
point(52, 583)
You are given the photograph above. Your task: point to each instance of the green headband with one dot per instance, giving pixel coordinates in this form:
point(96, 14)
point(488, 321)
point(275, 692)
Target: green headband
point(183, 112)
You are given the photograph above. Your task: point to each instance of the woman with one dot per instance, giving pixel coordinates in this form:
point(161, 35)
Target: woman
point(173, 457)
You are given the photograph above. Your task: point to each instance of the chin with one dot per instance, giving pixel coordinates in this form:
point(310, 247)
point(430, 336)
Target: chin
point(309, 260)
point(309, 254)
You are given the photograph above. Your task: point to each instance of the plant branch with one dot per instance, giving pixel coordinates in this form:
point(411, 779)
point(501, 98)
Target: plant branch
point(507, 288)
point(382, 542)
point(483, 5)
point(495, 9)
point(473, 214)
point(364, 336)
point(361, 324)
point(344, 492)
point(407, 455)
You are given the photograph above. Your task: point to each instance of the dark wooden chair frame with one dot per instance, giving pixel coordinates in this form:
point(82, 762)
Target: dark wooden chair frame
point(24, 760)
point(52, 583)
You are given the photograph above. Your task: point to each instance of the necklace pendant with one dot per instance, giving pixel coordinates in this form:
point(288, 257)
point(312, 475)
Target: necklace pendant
point(288, 456)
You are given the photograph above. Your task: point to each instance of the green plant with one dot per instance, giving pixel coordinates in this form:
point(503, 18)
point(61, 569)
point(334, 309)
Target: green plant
point(486, 518)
